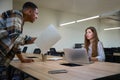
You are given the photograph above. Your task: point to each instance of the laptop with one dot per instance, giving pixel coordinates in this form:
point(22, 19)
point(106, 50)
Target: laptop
point(49, 37)
point(77, 56)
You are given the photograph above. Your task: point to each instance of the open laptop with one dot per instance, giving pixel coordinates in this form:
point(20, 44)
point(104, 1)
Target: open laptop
point(47, 39)
point(77, 56)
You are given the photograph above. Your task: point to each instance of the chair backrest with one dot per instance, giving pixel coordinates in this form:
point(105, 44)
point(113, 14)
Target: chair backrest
point(78, 45)
point(53, 52)
point(37, 51)
point(24, 49)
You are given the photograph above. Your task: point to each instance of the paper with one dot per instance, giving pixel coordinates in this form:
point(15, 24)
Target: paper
point(55, 58)
point(47, 39)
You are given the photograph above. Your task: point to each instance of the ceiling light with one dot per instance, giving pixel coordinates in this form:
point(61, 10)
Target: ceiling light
point(112, 28)
point(67, 23)
point(88, 18)
point(80, 20)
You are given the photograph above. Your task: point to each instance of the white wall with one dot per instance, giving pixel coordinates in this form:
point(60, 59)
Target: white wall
point(46, 17)
point(110, 38)
point(5, 5)
point(73, 33)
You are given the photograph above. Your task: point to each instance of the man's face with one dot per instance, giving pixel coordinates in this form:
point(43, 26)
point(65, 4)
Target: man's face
point(33, 15)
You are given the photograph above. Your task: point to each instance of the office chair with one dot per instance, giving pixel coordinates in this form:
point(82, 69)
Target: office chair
point(37, 51)
point(109, 55)
point(24, 49)
point(78, 45)
point(119, 49)
point(54, 52)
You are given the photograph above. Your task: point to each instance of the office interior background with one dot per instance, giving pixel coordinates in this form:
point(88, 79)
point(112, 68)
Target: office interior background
point(57, 12)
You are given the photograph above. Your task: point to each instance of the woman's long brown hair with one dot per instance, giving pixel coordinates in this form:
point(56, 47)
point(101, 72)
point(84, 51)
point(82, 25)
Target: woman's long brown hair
point(94, 43)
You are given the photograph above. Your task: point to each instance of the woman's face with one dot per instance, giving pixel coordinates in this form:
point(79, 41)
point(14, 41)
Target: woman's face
point(89, 34)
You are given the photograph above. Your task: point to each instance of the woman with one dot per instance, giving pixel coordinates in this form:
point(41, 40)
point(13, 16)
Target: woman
point(93, 46)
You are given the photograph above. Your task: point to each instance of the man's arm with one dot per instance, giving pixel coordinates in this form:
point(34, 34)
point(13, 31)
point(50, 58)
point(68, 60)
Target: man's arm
point(3, 34)
point(21, 41)
point(23, 59)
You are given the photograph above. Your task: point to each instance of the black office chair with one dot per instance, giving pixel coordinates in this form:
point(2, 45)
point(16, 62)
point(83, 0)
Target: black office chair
point(37, 51)
point(119, 49)
point(109, 55)
point(78, 45)
point(54, 52)
point(24, 49)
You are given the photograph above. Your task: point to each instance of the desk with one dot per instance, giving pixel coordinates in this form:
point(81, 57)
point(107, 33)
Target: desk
point(40, 70)
point(116, 57)
point(116, 54)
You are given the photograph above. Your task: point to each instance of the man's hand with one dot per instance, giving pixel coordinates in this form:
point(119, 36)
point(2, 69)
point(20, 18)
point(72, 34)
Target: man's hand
point(24, 60)
point(27, 60)
point(31, 40)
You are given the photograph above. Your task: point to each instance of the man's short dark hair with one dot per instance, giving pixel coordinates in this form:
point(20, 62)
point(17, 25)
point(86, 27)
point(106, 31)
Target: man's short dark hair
point(29, 5)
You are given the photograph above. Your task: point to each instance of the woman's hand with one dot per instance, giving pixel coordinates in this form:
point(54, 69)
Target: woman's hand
point(93, 59)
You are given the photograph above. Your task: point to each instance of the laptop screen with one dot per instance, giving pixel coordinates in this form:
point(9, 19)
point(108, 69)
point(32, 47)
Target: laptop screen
point(78, 56)
point(47, 38)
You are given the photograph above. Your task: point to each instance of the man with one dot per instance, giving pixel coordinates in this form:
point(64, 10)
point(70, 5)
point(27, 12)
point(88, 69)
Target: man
point(11, 26)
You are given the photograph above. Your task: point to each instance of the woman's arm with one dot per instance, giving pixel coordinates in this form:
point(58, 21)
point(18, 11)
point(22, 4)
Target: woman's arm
point(101, 54)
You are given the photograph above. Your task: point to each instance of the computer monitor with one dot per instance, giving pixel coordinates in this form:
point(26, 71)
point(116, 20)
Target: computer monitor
point(47, 39)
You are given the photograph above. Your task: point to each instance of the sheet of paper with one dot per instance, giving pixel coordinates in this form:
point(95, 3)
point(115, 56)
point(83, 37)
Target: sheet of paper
point(47, 38)
point(55, 58)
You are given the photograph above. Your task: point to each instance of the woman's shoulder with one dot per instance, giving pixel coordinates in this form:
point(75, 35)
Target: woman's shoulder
point(100, 43)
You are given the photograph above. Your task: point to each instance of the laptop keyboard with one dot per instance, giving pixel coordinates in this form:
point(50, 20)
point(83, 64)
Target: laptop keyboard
point(111, 77)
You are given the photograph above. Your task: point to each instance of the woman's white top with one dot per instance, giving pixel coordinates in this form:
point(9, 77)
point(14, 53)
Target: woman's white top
point(101, 54)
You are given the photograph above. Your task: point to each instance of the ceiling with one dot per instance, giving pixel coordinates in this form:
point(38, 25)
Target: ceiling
point(109, 10)
point(79, 7)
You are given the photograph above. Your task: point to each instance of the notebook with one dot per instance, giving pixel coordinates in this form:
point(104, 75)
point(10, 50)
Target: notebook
point(77, 56)
point(47, 39)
